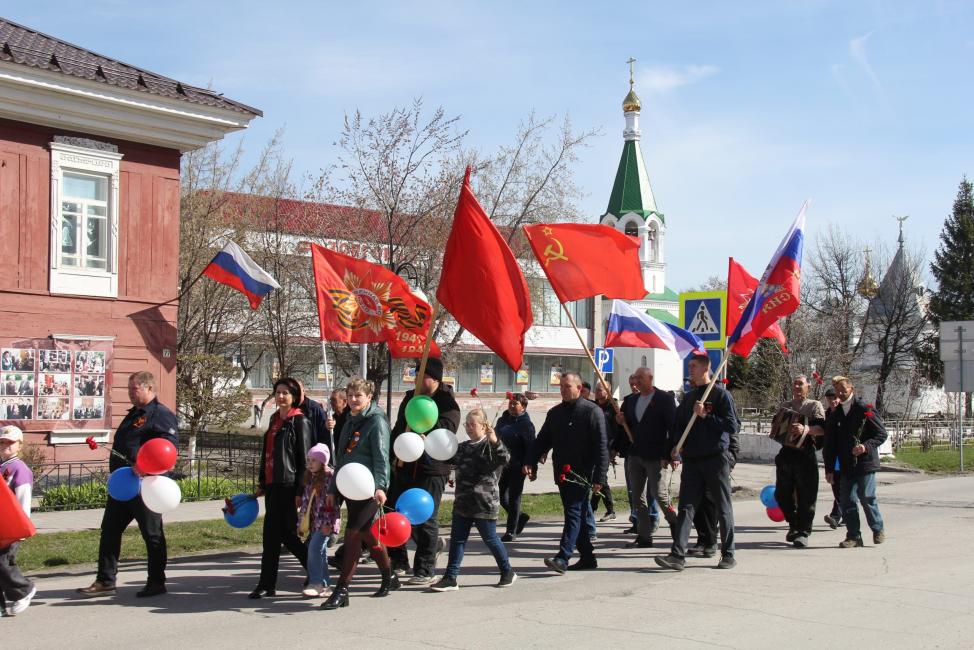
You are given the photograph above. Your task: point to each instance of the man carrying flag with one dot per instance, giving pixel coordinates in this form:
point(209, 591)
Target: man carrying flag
point(234, 268)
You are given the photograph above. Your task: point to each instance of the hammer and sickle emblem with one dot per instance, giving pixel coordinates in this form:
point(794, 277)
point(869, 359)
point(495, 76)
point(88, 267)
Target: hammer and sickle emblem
point(551, 254)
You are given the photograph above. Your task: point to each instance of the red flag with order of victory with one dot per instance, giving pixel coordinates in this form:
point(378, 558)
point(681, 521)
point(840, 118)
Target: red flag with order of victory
point(362, 302)
point(481, 284)
point(585, 260)
point(740, 288)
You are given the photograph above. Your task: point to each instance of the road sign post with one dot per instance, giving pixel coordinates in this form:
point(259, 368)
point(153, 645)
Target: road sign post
point(957, 351)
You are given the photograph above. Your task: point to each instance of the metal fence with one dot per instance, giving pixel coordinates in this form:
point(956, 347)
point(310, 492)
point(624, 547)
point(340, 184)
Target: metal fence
point(926, 434)
point(224, 464)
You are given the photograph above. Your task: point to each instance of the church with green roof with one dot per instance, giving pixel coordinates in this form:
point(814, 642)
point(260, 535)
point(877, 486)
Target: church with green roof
point(632, 209)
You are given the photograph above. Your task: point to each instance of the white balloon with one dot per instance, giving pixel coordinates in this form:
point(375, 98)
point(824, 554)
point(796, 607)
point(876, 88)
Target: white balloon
point(441, 444)
point(408, 446)
point(355, 482)
point(160, 494)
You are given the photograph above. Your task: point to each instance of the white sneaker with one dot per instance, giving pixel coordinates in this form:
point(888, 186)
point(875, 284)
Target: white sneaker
point(310, 592)
point(22, 604)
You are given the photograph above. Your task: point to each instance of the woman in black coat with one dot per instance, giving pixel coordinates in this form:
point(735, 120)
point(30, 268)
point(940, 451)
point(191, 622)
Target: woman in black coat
point(286, 444)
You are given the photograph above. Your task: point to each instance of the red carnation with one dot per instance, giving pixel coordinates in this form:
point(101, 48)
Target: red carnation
point(816, 375)
point(510, 395)
point(473, 392)
point(91, 442)
point(566, 468)
point(818, 380)
point(562, 478)
point(869, 414)
point(725, 380)
point(869, 407)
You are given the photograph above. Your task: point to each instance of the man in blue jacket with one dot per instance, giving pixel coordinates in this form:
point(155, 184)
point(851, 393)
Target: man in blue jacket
point(574, 431)
point(853, 434)
point(650, 417)
point(707, 462)
point(147, 419)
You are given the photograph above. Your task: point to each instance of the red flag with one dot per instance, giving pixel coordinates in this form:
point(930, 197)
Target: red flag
point(585, 260)
point(482, 284)
point(740, 288)
point(362, 302)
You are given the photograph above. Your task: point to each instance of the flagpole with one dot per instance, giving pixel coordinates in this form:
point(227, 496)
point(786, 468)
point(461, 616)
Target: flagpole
point(426, 352)
point(706, 393)
point(598, 372)
point(188, 287)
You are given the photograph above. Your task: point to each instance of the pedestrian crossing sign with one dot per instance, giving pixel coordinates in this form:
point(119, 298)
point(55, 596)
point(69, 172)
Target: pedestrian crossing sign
point(702, 313)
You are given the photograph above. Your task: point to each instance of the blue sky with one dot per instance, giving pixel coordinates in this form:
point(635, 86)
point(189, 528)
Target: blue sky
point(748, 107)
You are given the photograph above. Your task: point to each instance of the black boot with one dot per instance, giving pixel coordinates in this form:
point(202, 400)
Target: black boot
point(390, 582)
point(338, 598)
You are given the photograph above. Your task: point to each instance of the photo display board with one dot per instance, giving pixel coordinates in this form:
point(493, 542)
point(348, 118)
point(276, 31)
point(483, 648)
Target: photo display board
point(50, 384)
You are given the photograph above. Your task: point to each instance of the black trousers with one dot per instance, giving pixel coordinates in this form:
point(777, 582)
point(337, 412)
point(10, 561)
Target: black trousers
point(118, 515)
point(705, 521)
point(511, 487)
point(796, 487)
point(425, 535)
point(280, 527)
point(710, 474)
point(13, 584)
point(836, 499)
point(606, 496)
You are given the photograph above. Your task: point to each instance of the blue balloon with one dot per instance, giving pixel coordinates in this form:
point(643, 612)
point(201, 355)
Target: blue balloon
point(124, 484)
point(245, 510)
point(767, 497)
point(416, 505)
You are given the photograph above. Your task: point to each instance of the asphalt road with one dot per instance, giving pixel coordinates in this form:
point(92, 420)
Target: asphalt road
point(915, 591)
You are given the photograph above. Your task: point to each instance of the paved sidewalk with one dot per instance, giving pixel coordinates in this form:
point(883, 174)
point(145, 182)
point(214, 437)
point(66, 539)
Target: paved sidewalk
point(914, 591)
point(749, 476)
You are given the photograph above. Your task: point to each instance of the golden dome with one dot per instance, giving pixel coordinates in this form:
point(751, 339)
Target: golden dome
point(631, 102)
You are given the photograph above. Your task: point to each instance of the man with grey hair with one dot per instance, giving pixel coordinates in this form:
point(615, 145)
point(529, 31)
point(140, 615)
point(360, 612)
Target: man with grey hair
point(574, 432)
point(649, 416)
point(799, 426)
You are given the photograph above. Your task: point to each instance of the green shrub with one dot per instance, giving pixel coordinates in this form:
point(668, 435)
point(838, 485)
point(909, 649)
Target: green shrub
point(75, 497)
point(212, 487)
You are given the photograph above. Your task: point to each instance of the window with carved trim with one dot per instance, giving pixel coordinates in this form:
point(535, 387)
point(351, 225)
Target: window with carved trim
point(84, 220)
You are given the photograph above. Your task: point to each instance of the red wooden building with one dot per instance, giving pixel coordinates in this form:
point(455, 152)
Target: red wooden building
point(89, 231)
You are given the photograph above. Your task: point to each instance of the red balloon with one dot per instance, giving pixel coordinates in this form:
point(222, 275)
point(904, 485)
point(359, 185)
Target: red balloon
point(775, 514)
point(157, 456)
point(393, 529)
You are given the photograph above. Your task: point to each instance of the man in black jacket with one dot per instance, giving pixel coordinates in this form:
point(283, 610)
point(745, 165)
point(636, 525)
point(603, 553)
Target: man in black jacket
point(574, 431)
point(706, 462)
point(426, 473)
point(603, 398)
point(516, 431)
point(147, 419)
point(853, 434)
point(650, 417)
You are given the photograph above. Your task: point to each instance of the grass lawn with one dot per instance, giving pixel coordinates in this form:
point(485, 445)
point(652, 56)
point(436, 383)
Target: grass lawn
point(48, 550)
point(935, 460)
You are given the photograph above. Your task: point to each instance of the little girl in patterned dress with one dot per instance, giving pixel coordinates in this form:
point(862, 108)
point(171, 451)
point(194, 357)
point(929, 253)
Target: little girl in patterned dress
point(317, 518)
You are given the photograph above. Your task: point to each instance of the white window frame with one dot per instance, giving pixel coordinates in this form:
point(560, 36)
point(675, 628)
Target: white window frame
point(77, 280)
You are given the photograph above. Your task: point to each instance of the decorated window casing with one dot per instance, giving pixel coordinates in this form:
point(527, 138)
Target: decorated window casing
point(84, 221)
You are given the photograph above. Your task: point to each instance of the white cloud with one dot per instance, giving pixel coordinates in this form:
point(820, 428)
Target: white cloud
point(660, 79)
point(857, 50)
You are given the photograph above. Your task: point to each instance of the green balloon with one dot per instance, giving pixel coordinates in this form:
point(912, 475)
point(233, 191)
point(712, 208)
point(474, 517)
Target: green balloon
point(421, 413)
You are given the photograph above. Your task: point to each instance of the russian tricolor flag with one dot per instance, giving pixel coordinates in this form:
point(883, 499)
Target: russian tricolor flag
point(234, 268)
point(630, 328)
point(777, 295)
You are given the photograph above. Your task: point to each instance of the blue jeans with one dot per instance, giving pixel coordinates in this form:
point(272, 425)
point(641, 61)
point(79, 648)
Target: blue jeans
point(590, 521)
point(460, 531)
point(575, 502)
point(852, 491)
point(318, 560)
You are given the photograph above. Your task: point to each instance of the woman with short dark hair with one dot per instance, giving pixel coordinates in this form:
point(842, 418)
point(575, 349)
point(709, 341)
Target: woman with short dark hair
point(286, 445)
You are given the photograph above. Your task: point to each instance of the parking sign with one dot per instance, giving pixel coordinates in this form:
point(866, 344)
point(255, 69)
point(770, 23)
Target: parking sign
point(603, 359)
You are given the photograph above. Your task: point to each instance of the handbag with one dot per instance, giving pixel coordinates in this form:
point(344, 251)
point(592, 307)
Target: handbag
point(305, 527)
